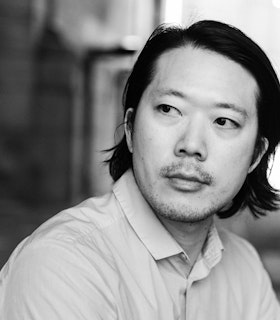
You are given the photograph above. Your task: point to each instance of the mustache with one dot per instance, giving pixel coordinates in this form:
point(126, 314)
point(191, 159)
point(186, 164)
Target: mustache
point(187, 169)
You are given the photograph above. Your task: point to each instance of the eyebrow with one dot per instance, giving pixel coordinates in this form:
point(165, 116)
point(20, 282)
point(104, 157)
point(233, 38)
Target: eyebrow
point(233, 107)
point(221, 105)
point(171, 92)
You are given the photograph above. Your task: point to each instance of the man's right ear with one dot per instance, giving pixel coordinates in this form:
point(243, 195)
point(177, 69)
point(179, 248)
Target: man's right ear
point(128, 128)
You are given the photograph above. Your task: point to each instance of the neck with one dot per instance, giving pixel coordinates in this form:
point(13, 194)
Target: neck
point(190, 236)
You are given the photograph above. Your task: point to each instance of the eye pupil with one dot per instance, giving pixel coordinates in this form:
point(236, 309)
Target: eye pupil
point(165, 108)
point(221, 121)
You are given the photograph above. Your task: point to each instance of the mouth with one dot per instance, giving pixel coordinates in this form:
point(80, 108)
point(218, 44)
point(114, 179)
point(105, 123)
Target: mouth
point(187, 182)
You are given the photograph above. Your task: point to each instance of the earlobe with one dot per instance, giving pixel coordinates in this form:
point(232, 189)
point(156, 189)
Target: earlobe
point(128, 128)
point(261, 152)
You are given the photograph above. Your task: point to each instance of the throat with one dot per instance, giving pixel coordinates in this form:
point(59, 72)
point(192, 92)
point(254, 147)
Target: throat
point(190, 236)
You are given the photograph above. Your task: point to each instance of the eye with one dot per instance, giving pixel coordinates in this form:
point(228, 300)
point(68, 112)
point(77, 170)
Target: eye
point(168, 110)
point(227, 123)
point(165, 108)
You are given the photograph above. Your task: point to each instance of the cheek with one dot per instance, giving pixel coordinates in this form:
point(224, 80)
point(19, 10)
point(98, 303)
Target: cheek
point(150, 148)
point(245, 154)
point(236, 162)
point(143, 145)
point(242, 150)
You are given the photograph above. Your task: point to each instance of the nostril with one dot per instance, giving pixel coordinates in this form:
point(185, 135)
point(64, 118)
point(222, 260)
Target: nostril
point(198, 151)
point(184, 152)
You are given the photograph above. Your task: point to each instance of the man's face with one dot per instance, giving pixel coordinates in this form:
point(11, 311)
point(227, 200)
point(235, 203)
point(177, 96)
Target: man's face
point(194, 134)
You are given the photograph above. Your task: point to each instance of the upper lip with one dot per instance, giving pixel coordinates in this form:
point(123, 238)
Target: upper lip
point(188, 177)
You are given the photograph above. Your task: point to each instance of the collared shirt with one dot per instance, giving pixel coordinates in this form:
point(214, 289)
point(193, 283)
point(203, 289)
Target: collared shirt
point(111, 258)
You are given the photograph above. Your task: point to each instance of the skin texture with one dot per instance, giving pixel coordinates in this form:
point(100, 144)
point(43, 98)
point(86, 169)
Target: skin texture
point(193, 138)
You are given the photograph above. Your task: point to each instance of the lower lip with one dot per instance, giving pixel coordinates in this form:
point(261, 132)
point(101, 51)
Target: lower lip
point(186, 185)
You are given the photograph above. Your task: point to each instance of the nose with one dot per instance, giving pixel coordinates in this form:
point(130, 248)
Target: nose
point(192, 140)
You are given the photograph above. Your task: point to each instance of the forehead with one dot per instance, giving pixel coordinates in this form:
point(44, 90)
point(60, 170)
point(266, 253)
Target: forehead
point(201, 71)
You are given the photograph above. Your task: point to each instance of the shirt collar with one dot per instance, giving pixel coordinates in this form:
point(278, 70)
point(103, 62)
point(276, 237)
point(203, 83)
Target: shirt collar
point(143, 220)
point(149, 229)
point(213, 247)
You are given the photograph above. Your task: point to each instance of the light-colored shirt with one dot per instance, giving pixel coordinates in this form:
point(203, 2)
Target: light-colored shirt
point(111, 258)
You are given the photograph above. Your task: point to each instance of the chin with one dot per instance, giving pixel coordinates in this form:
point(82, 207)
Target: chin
point(183, 213)
point(189, 219)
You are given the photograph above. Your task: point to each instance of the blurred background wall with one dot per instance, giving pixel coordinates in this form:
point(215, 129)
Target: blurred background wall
point(63, 64)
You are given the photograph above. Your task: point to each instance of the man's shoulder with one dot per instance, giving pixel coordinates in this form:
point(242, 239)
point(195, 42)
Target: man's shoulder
point(75, 229)
point(236, 244)
point(87, 218)
point(75, 234)
point(240, 252)
point(65, 259)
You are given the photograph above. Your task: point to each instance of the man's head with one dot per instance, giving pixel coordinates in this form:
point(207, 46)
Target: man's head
point(182, 68)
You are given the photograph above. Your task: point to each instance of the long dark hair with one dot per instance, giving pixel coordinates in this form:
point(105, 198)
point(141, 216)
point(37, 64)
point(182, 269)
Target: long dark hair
point(256, 192)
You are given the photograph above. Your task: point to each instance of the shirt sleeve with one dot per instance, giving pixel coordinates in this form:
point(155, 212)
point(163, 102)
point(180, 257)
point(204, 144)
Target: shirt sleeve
point(56, 282)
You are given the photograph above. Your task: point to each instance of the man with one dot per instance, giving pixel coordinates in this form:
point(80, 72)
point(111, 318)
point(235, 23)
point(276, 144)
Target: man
point(201, 113)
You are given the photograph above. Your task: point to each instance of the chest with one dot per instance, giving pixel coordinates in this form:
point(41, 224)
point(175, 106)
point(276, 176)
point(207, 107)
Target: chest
point(160, 290)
